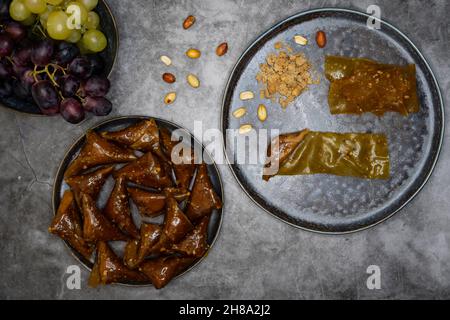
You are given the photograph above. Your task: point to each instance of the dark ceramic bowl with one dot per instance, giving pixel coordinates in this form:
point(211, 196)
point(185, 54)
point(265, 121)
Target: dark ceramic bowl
point(109, 28)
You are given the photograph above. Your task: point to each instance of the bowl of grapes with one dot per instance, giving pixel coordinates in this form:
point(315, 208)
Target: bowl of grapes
point(56, 57)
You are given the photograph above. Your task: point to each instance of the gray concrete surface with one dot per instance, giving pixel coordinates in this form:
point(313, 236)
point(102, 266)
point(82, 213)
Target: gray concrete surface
point(256, 256)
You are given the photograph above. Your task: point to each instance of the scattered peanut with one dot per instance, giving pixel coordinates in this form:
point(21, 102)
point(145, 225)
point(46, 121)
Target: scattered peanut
point(188, 22)
point(300, 40)
point(245, 128)
point(169, 77)
point(193, 81)
point(166, 60)
point(170, 98)
point(222, 49)
point(240, 112)
point(262, 113)
point(321, 39)
point(193, 53)
point(246, 95)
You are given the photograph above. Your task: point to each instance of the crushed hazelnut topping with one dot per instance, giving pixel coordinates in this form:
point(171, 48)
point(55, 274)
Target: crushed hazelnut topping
point(285, 76)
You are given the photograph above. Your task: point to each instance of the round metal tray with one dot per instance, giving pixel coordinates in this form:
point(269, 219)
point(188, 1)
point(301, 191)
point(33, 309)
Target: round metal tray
point(118, 123)
point(325, 203)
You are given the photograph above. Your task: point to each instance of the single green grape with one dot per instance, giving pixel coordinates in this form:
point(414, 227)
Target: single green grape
point(74, 37)
point(36, 6)
point(57, 25)
point(93, 20)
point(94, 40)
point(89, 4)
point(82, 9)
point(54, 2)
point(18, 11)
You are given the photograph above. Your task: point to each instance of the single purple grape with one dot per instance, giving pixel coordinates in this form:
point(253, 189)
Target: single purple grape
point(42, 52)
point(16, 31)
point(97, 86)
point(70, 85)
point(100, 106)
point(27, 79)
point(6, 45)
point(46, 97)
point(72, 111)
point(80, 67)
point(65, 53)
point(22, 56)
point(97, 63)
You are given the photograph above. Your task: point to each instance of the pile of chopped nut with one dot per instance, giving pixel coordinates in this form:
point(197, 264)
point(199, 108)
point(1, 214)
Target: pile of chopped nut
point(285, 76)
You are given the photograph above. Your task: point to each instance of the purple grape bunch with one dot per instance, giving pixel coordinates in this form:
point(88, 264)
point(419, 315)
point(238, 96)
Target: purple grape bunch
point(54, 75)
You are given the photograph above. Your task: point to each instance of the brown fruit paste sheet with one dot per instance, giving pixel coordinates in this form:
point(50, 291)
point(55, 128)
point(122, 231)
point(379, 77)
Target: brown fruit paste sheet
point(361, 85)
point(362, 155)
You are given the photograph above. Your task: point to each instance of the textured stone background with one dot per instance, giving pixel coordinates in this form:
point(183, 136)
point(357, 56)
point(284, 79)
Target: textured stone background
point(256, 256)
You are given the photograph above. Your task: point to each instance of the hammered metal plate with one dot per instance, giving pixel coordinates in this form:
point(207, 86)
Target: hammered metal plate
point(325, 203)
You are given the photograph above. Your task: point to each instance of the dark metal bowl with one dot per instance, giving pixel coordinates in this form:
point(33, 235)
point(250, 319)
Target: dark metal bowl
point(109, 28)
point(117, 123)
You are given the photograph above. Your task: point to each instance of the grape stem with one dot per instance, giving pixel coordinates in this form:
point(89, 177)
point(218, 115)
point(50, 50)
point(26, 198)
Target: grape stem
point(80, 97)
point(57, 67)
point(37, 26)
point(10, 60)
point(35, 73)
point(61, 95)
point(51, 75)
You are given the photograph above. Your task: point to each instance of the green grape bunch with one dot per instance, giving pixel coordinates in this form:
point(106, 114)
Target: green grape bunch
point(73, 21)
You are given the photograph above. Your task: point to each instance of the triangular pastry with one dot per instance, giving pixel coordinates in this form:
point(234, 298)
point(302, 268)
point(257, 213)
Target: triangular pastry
point(96, 227)
point(109, 268)
point(117, 208)
point(97, 151)
point(161, 270)
point(90, 183)
point(137, 250)
point(203, 198)
point(146, 171)
point(195, 243)
point(67, 225)
point(176, 224)
point(152, 204)
point(184, 171)
point(143, 136)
